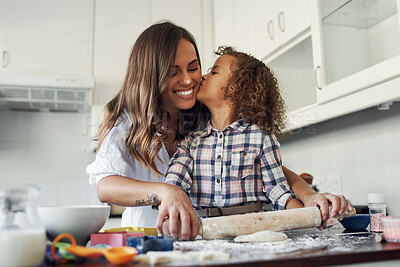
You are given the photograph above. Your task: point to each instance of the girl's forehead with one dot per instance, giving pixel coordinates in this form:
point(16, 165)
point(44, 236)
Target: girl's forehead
point(225, 61)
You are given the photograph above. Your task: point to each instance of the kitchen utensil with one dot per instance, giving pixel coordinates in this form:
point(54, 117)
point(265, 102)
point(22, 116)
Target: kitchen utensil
point(79, 221)
point(243, 224)
point(356, 222)
point(119, 255)
point(391, 228)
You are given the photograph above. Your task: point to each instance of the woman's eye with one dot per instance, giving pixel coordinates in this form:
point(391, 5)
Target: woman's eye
point(213, 72)
point(194, 69)
point(174, 74)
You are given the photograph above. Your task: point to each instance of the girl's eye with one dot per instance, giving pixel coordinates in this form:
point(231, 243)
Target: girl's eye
point(194, 69)
point(213, 72)
point(174, 74)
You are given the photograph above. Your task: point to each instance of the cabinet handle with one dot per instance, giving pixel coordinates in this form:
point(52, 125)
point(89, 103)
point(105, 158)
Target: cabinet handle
point(5, 59)
point(317, 76)
point(271, 30)
point(281, 21)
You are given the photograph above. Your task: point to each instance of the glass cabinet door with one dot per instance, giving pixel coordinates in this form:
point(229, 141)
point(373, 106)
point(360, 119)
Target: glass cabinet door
point(359, 45)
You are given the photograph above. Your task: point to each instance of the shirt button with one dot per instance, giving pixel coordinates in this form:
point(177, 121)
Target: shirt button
point(244, 153)
point(220, 136)
point(218, 181)
point(219, 157)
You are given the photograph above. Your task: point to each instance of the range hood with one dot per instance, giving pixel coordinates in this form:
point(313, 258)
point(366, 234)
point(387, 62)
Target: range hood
point(36, 92)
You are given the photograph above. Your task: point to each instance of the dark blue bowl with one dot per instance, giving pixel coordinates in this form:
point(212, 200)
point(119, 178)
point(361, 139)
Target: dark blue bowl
point(356, 222)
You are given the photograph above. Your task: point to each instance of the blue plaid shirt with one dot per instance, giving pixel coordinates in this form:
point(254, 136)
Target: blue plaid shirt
point(238, 165)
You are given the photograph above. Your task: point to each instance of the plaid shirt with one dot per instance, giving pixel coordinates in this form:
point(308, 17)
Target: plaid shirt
point(240, 164)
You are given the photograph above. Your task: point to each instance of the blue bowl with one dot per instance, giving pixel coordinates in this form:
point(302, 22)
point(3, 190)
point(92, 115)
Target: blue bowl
point(356, 222)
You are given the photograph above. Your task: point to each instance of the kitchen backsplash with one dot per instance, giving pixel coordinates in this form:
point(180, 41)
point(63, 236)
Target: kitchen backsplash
point(49, 149)
point(362, 149)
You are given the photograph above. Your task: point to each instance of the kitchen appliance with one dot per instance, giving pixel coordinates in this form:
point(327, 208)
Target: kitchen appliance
point(37, 92)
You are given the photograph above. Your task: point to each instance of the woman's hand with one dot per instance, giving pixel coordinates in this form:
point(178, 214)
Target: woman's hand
point(330, 205)
point(176, 214)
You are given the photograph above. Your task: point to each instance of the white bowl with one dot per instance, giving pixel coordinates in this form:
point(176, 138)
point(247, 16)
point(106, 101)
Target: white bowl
point(79, 221)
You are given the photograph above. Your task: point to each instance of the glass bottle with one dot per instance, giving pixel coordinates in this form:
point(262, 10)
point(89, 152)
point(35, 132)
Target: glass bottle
point(22, 235)
point(377, 210)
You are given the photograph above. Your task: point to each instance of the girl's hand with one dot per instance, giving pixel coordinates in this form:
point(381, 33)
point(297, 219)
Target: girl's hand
point(330, 205)
point(176, 214)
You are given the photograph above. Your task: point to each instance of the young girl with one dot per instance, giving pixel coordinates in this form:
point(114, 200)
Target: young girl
point(236, 159)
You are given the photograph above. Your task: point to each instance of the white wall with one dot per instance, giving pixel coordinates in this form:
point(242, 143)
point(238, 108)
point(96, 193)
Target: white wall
point(363, 148)
point(48, 149)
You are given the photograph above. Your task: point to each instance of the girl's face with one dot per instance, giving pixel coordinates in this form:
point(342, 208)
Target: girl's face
point(211, 91)
point(185, 79)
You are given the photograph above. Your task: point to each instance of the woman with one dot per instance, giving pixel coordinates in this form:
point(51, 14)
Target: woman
point(152, 112)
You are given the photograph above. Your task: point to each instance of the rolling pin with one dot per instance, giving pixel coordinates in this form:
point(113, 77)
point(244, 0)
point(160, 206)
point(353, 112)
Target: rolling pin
point(243, 224)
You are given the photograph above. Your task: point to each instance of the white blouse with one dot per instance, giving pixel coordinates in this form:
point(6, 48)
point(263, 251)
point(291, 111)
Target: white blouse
point(113, 158)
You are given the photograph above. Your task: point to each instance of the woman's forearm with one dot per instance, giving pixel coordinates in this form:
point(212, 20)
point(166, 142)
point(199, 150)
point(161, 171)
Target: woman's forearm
point(125, 191)
point(302, 190)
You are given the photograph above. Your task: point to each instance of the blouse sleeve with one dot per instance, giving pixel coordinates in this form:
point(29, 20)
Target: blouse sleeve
point(275, 187)
point(112, 158)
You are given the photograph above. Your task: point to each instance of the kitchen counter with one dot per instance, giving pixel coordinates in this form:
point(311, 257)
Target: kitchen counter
point(308, 247)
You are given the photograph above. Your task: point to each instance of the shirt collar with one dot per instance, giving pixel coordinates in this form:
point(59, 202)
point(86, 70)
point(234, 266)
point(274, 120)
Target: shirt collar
point(238, 125)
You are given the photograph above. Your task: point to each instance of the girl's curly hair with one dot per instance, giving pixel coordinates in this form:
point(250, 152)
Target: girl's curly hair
point(254, 93)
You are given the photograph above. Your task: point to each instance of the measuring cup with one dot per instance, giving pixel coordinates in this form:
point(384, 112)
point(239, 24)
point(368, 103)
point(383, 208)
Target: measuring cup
point(114, 255)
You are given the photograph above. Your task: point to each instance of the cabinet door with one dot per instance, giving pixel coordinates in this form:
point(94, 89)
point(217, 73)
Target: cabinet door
point(224, 21)
point(47, 36)
point(118, 24)
point(293, 18)
point(266, 27)
point(357, 44)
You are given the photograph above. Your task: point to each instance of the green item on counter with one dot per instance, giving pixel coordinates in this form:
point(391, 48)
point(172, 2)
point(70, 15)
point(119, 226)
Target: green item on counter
point(60, 246)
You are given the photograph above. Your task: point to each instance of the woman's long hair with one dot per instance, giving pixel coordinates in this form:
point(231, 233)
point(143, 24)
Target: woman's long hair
point(147, 77)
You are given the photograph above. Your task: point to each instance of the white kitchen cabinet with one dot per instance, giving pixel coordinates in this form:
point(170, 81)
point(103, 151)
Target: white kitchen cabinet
point(356, 45)
point(277, 22)
point(234, 24)
point(46, 36)
point(117, 26)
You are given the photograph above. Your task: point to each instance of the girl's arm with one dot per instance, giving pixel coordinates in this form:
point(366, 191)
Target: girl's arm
point(326, 202)
point(173, 202)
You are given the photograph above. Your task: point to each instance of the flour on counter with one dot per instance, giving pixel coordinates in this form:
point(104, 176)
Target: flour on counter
point(304, 242)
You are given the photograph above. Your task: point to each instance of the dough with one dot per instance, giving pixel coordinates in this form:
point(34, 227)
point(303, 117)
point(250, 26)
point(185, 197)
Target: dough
point(159, 257)
point(260, 237)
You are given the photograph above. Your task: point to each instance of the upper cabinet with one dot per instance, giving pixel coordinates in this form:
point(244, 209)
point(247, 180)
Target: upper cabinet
point(277, 22)
point(117, 26)
point(46, 36)
point(357, 45)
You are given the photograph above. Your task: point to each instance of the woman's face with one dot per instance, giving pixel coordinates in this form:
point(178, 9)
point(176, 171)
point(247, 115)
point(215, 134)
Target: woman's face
point(211, 92)
point(185, 79)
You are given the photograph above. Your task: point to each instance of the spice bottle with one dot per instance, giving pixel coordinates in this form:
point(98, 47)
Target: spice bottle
point(377, 210)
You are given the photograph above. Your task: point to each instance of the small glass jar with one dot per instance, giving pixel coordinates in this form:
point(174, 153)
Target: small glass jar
point(22, 235)
point(377, 210)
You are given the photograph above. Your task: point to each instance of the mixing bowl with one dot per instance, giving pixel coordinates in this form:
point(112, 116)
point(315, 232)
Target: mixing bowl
point(356, 222)
point(79, 221)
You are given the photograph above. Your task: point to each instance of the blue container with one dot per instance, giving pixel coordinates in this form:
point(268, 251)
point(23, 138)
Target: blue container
point(356, 222)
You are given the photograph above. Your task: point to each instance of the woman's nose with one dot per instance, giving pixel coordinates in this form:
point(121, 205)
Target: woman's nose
point(185, 79)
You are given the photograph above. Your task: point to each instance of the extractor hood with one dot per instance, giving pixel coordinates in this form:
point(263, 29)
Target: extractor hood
point(37, 92)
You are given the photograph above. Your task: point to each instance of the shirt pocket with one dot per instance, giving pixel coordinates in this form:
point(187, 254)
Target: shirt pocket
point(243, 163)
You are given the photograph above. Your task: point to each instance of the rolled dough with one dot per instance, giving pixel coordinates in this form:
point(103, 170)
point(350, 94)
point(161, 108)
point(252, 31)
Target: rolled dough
point(262, 236)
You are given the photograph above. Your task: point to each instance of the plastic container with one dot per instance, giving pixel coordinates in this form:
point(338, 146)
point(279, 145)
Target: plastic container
point(391, 228)
point(377, 210)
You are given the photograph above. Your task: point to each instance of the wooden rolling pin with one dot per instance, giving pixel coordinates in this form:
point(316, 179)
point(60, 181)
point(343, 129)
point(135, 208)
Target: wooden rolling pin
point(243, 224)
